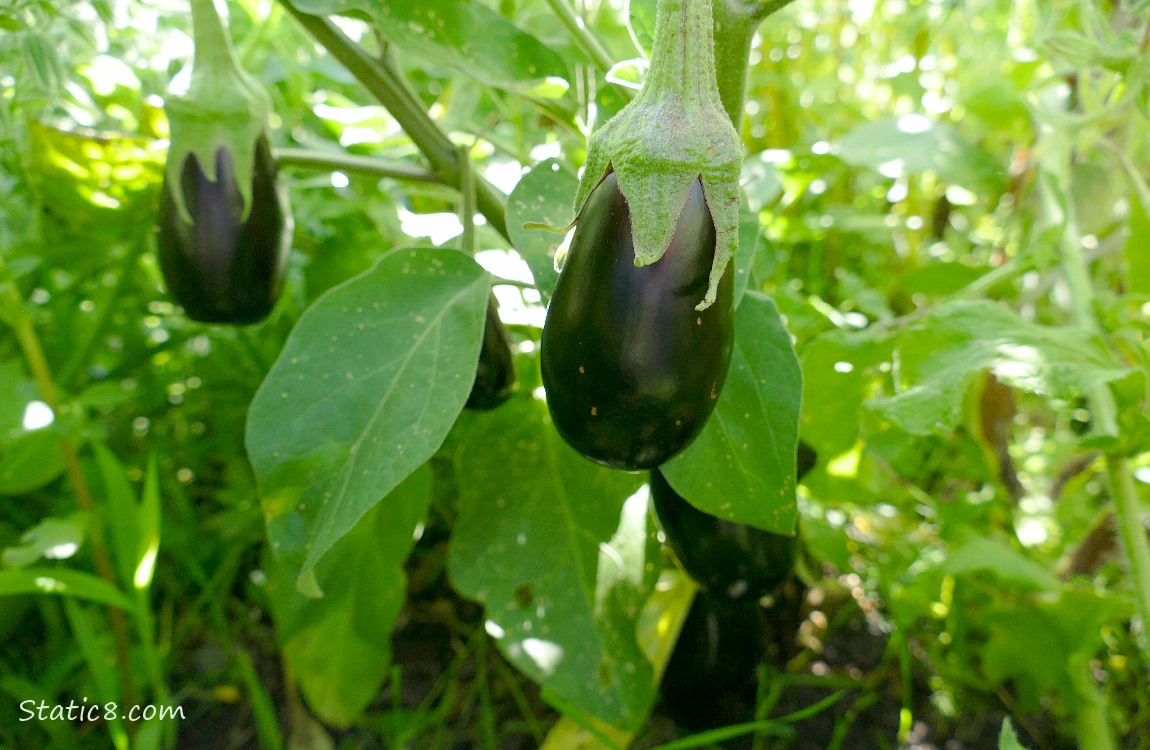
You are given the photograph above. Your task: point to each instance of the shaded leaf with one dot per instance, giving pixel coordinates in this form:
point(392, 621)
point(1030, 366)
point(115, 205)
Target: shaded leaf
point(981, 554)
point(936, 357)
point(542, 196)
point(365, 391)
point(63, 582)
point(467, 37)
point(913, 144)
point(339, 646)
point(561, 559)
point(30, 461)
point(51, 539)
point(742, 466)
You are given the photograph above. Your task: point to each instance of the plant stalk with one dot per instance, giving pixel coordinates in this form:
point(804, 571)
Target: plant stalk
point(29, 342)
point(735, 25)
point(1057, 176)
point(586, 41)
point(387, 87)
point(332, 161)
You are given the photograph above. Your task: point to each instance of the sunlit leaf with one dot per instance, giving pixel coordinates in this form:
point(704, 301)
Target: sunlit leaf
point(936, 357)
point(467, 37)
point(742, 466)
point(365, 390)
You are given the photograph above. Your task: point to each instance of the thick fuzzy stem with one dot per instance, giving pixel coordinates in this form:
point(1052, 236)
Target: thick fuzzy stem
point(213, 53)
point(682, 61)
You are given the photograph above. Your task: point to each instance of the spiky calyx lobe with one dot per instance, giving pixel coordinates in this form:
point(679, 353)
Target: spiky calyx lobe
point(223, 107)
point(674, 132)
point(218, 264)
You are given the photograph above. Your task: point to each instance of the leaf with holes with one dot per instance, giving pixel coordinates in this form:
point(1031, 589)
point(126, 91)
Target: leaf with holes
point(561, 559)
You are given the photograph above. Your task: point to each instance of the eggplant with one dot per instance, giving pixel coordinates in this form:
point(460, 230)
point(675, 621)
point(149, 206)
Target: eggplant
point(222, 266)
point(495, 373)
point(631, 369)
point(726, 558)
point(710, 677)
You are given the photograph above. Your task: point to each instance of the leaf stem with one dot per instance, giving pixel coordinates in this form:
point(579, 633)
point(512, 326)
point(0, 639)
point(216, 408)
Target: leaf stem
point(1056, 181)
point(21, 323)
point(384, 83)
point(584, 39)
point(333, 161)
point(735, 26)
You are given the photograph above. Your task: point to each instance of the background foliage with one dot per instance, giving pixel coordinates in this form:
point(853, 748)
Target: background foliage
point(951, 204)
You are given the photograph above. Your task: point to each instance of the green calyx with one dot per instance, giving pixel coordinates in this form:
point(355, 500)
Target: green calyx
point(223, 108)
point(674, 132)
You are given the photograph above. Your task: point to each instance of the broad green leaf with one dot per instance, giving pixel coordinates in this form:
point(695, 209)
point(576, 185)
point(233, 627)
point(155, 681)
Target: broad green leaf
point(641, 24)
point(51, 539)
point(561, 559)
point(63, 582)
point(981, 554)
point(542, 196)
point(936, 357)
point(365, 390)
point(1060, 632)
point(467, 37)
point(835, 384)
point(659, 625)
point(339, 646)
point(742, 466)
point(30, 461)
point(16, 390)
point(748, 247)
point(913, 144)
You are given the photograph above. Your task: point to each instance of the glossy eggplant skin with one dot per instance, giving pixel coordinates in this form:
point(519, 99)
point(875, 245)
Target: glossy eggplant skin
point(710, 677)
point(495, 373)
point(725, 558)
point(632, 371)
point(220, 267)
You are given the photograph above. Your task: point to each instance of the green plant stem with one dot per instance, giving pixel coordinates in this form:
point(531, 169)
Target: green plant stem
point(586, 41)
point(213, 46)
point(389, 89)
point(467, 208)
point(13, 307)
point(735, 26)
point(330, 161)
point(1093, 727)
point(1128, 513)
point(1057, 176)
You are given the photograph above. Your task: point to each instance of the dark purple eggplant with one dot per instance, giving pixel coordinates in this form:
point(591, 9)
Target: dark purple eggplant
point(495, 373)
point(222, 267)
point(710, 680)
point(632, 370)
point(725, 558)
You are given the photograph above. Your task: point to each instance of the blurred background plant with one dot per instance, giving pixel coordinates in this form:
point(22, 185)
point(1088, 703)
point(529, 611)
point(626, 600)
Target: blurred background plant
point(953, 206)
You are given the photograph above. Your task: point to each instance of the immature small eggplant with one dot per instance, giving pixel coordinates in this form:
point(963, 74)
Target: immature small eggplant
point(219, 265)
point(631, 368)
point(495, 373)
point(725, 558)
point(224, 220)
